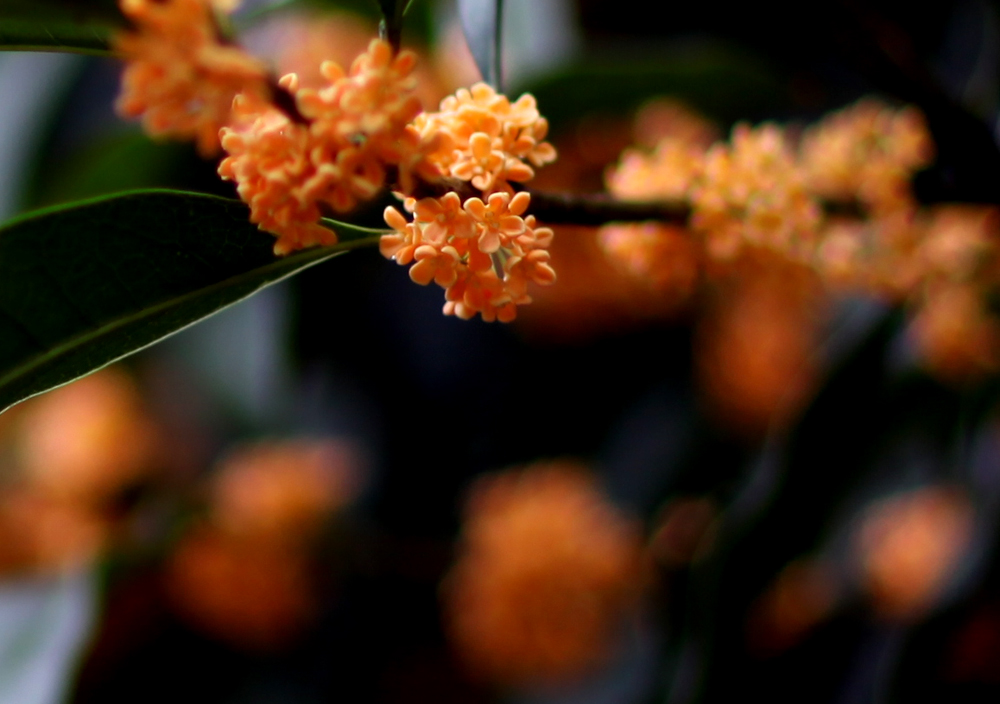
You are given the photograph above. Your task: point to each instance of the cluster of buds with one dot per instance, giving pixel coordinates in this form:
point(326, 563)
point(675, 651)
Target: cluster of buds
point(763, 192)
point(298, 152)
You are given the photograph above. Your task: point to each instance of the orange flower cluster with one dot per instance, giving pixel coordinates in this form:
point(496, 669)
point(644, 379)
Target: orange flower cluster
point(74, 451)
point(180, 76)
point(750, 193)
point(354, 126)
point(482, 254)
point(244, 574)
point(338, 142)
point(269, 161)
point(764, 193)
point(487, 140)
point(866, 152)
point(664, 174)
point(282, 491)
point(545, 574)
point(481, 251)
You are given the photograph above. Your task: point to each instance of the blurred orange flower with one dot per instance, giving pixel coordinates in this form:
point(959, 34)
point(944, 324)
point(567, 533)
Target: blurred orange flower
point(909, 545)
point(87, 441)
point(546, 571)
point(802, 595)
point(254, 594)
point(180, 77)
point(39, 534)
point(282, 491)
point(756, 349)
point(684, 531)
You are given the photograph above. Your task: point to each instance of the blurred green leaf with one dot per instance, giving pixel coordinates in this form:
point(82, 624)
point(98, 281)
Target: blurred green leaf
point(85, 284)
point(724, 83)
point(481, 22)
point(77, 26)
point(123, 161)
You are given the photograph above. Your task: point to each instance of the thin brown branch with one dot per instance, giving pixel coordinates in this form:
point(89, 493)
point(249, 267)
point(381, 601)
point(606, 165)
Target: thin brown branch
point(600, 208)
point(284, 100)
point(564, 208)
point(592, 209)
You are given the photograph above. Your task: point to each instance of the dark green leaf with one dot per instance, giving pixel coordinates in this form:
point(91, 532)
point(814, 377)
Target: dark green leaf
point(481, 22)
point(58, 25)
point(392, 19)
point(726, 84)
point(86, 284)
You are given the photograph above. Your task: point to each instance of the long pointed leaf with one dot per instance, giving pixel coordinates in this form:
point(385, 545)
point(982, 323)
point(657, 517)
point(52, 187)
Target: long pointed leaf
point(86, 284)
point(80, 26)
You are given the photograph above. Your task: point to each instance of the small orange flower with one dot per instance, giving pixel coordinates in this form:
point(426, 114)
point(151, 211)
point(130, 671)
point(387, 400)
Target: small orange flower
point(481, 165)
point(756, 351)
point(957, 337)
point(45, 534)
point(444, 218)
point(803, 594)
point(359, 122)
point(498, 221)
point(401, 244)
point(666, 174)
point(257, 596)
point(432, 264)
point(666, 256)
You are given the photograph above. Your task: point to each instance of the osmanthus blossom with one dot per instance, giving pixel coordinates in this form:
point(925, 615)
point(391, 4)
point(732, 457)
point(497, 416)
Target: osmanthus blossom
point(270, 161)
point(180, 77)
point(288, 171)
point(908, 546)
point(244, 573)
point(867, 152)
point(483, 255)
point(70, 456)
point(297, 152)
point(493, 142)
point(751, 192)
point(484, 251)
point(764, 193)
